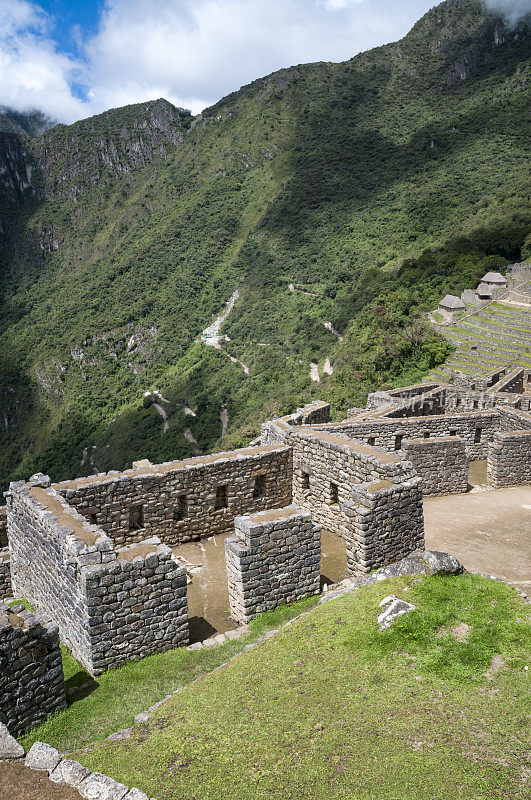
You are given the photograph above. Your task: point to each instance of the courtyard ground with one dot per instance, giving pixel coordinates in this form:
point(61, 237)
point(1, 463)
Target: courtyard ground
point(488, 531)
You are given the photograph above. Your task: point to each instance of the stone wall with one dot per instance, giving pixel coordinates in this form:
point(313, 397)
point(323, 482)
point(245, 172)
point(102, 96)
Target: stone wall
point(3, 526)
point(274, 558)
point(31, 673)
point(476, 430)
point(509, 459)
point(384, 523)
point(441, 462)
point(326, 469)
point(457, 401)
point(5, 574)
point(513, 420)
point(111, 605)
point(182, 501)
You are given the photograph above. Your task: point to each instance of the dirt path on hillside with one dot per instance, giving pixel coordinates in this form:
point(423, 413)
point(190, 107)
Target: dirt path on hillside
point(164, 416)
point(330, 327)
point(224, 417)
point(189, 436)
point(19, 783)
point(211, 337)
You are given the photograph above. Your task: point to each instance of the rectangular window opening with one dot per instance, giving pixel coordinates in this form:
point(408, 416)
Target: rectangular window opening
point(476, 404)
point(221, 497)
point(305, 479)
point(259, 486)
point(426, 435)
point(398, 441)
point(457, 402)
point(453, 431)
point(477, 435)
point(180, 511)
point(334, 494)
point(371, 440)
point(136, 518)
point(92, 519)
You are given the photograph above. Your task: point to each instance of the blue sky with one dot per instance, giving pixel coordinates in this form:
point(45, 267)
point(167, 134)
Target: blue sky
point(74, 58)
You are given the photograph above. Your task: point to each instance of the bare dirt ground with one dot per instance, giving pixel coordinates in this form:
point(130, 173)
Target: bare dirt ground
point(19, 783)
point(488, 532)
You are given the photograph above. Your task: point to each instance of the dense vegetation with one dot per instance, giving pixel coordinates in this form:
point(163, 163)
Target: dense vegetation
point(372, 186)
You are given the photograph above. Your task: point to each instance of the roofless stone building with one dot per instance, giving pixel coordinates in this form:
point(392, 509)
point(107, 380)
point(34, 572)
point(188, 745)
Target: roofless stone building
point(94, 555)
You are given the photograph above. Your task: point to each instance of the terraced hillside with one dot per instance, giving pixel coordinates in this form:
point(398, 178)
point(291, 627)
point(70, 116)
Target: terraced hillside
point(494, 336)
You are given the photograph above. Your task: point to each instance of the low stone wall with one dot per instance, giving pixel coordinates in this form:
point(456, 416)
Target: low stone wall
point(384, 522)
point(31, 673)
point(441, 462)
point(509, 459)
point(467, 400)
point(182, 501)
point(3, 526)
point(111, 606)
point(5, 574)
point(513, 382)
point(514, 420)
point(274, 558)
point(476, 430)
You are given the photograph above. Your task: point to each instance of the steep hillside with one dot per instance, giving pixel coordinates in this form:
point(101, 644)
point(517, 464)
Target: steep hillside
point(351, 194)
point(24, 123)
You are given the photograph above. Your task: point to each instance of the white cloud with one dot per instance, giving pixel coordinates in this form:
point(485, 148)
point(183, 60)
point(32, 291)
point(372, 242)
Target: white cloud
point(32, 73)
point(513, 10)
point(190, 51)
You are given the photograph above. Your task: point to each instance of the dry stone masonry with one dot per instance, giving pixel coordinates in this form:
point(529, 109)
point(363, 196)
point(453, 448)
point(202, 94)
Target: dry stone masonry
point(31, 673)
point(509, 460)
point(442, 463)
point(274, 558)
point(181, 501)
point(93, 554)
point(110, 605)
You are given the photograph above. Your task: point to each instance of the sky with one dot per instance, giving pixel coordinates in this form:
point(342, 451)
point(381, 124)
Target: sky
point(75, 58)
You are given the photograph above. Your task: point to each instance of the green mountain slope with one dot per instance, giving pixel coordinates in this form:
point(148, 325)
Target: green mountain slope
point(369, 187)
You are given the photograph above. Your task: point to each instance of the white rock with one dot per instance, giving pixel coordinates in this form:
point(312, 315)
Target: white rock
point(100, 787)
point(72, 772)
point(42, 757)
point(396, 609)
point(9, 747)
point(136, 794)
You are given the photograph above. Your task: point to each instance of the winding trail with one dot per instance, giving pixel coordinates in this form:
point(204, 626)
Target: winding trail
point(330, 327)
point(165, 423)
point(224, 417)
point(211, 337)
point(189, 436)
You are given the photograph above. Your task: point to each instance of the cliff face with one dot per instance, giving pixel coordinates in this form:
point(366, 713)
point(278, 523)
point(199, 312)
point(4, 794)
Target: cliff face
point(72, 158)
point(17, 173)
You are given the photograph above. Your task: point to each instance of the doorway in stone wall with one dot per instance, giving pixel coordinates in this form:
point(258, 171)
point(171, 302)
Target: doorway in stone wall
point(208, 593)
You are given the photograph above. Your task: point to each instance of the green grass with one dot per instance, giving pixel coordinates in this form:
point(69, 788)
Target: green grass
point(109, 702)
point(333, 708)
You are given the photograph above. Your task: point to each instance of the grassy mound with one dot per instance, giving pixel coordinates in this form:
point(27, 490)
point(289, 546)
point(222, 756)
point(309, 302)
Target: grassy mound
point(435, 707)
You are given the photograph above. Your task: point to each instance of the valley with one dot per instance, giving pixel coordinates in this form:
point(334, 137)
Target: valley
point(316, 191)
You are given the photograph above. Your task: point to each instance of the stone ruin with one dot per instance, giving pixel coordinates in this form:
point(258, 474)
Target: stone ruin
point(94, 555)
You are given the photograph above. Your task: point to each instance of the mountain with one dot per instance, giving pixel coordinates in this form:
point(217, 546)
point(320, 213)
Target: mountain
point(30, 123)
point(353, 194)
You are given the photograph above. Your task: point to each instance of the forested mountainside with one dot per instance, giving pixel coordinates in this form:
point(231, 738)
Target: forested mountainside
point(353, 194)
